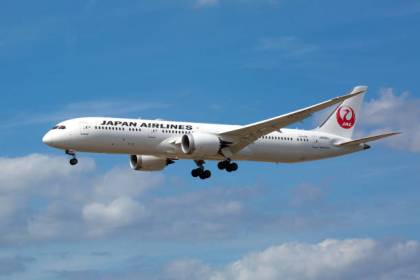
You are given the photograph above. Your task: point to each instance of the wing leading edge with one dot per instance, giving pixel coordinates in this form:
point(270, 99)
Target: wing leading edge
point(247, 134)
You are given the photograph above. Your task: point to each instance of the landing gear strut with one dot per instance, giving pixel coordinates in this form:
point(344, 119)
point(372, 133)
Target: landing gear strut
point(73, 160)
point(227, 165)
point(200, 171)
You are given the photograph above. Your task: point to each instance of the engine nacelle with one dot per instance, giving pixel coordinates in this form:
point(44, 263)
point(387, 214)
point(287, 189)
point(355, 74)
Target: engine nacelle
point(148, 163)
point(200, 144)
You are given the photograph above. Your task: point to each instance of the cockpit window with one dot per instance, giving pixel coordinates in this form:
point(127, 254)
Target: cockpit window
point(59, 127)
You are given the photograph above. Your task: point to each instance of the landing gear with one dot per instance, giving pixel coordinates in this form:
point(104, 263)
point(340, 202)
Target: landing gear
point(222, 165)
point(232, 167)
point(227, 165)
point(200, 171)
point(203, 174)
point(73, 160)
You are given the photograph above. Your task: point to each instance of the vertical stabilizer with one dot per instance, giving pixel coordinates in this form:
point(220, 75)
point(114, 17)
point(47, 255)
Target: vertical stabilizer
point(344, 118)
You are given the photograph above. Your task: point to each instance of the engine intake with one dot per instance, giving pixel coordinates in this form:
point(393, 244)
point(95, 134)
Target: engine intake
point(148, 163)
point(200, 144)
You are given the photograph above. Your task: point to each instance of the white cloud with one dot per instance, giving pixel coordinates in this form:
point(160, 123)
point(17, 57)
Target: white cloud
point(329, 259)
point(35, 169)
point(44, 226)
point(125, 182)
point(392, 112)
point(46, 199)
point(102, 218)
point(43, 197)
point(205, 214)
point(8, 206)
point(37, 177)
point(59, 219)
point(186, 269)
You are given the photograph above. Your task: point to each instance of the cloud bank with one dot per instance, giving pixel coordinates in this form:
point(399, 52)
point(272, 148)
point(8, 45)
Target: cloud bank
point(43, 198)
point(329, 259)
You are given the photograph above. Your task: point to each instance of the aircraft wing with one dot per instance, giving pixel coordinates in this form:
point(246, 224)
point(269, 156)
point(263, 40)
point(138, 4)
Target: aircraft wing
point(366, 139)
point(247, 134)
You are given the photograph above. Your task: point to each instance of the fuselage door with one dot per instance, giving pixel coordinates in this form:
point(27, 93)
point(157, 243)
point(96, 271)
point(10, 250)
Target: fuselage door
point(320, 142)
point(84, 129)
point(152, 132)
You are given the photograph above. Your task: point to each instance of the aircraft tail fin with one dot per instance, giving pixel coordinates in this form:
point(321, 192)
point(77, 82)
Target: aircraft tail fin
point(344, 118)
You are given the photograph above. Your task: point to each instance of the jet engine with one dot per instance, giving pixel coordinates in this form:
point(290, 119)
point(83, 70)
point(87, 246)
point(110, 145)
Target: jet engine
point(199, 144)
point(148, 163)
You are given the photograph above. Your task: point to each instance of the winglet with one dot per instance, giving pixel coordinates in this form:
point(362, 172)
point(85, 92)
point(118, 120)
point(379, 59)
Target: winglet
point(355, 91)
point(359, 89)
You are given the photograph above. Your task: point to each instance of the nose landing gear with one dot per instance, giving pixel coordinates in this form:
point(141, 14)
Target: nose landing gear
point(73, 160)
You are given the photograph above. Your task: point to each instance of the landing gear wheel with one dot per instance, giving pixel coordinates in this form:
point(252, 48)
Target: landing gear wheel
point(196, 172)
point(73, 160)
point(205, 174)
point(232, 167)
point(200, 171)
point(222, 165)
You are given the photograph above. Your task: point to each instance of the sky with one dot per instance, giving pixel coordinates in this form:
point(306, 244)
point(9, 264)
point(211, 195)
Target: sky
point(218, 61)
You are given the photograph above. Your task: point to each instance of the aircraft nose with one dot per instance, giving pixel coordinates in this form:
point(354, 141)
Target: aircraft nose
point(47, 139)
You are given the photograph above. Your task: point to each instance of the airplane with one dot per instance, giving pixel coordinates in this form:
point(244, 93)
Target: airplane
point(154, 144)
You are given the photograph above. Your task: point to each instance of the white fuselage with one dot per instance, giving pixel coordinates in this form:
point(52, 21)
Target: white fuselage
point(162, 139)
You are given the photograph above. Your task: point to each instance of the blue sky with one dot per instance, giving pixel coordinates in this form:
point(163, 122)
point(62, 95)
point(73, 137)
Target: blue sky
point(227, 61)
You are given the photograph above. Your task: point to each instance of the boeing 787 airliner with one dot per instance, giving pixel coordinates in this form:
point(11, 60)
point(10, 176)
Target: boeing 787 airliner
point(154, 144)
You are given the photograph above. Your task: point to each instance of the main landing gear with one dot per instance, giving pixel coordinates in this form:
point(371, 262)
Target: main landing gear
point(73, 160)
point(227, 165)
point(200, 171)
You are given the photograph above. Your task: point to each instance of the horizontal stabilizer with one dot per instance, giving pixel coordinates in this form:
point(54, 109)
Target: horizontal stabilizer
point(366, 139)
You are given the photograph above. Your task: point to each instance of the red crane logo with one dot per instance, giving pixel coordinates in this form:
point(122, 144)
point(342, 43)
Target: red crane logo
point(346, 117)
